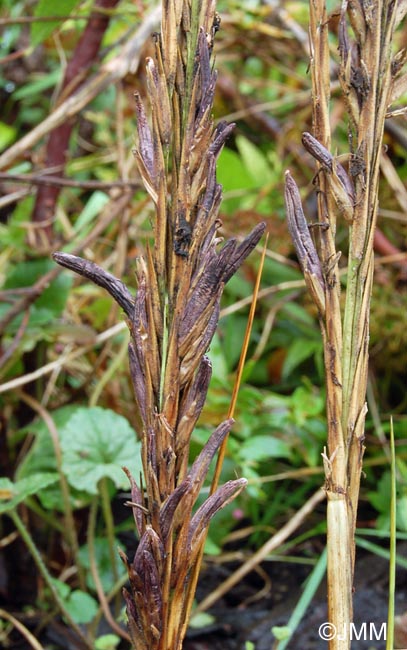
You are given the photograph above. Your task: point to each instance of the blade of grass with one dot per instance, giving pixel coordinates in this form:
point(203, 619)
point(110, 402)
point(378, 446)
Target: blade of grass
point(25, 535)
point(380, 551)
point(393, 556)
point(306, 597)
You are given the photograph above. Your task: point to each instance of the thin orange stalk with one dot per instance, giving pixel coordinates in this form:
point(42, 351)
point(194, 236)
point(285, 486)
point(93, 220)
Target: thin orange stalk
point(232, 406)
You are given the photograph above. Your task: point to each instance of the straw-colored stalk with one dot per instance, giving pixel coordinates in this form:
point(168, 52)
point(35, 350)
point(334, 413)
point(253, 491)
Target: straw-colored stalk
point(172, 319)
point(368, 77)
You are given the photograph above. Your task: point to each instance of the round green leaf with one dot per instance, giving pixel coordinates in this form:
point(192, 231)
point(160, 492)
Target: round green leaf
point(41, 459)
point(107, 642)
point(81, 606)
point(96, 443)
point(62, 588)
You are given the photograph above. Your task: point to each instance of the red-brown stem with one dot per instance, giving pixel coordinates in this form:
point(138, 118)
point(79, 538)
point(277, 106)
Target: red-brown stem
point(57, 146)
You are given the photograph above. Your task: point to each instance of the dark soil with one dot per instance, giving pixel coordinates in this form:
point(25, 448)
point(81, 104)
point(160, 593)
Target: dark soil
point(237, 623)
point(239, 617)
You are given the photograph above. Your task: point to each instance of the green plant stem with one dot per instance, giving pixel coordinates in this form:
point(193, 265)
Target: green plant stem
point(109, 522)
point(191, 49)
point(307, 595)
point(392, 567)
point(95, 574)
point(164, 347)
point(26, 537)
point(70, 527)
point(44, 515)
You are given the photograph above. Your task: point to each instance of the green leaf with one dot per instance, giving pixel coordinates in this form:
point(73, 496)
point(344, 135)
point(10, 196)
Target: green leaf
point(107, 642)
point(97, 310)
point(380, 499)
point(7, 135)
point(202, 619)
point(235, 178)
point(259, 448)
point(255, 161)
point(62, 588)
point(306, 403)
point(302, 317)
point(211, 548)
point(35, 87)
point(51, 302)
point(103, 561)
point(232, 172)
point(47, 8)
point(254, 488)
point(218, 361)
point(81, 606)
point(95, 444)
point(234, 332)
point(299, 351)
point(14, 235)
point(281, 632)
point(91, 210)
point(41, 458)
point(15, 493)
point(401, 513)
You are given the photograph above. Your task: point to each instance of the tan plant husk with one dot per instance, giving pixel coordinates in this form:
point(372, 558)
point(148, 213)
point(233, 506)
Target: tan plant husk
point(172, 320)
point(367, 72)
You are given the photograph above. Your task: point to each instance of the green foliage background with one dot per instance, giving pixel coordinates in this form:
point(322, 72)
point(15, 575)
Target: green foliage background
point(280, 421)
